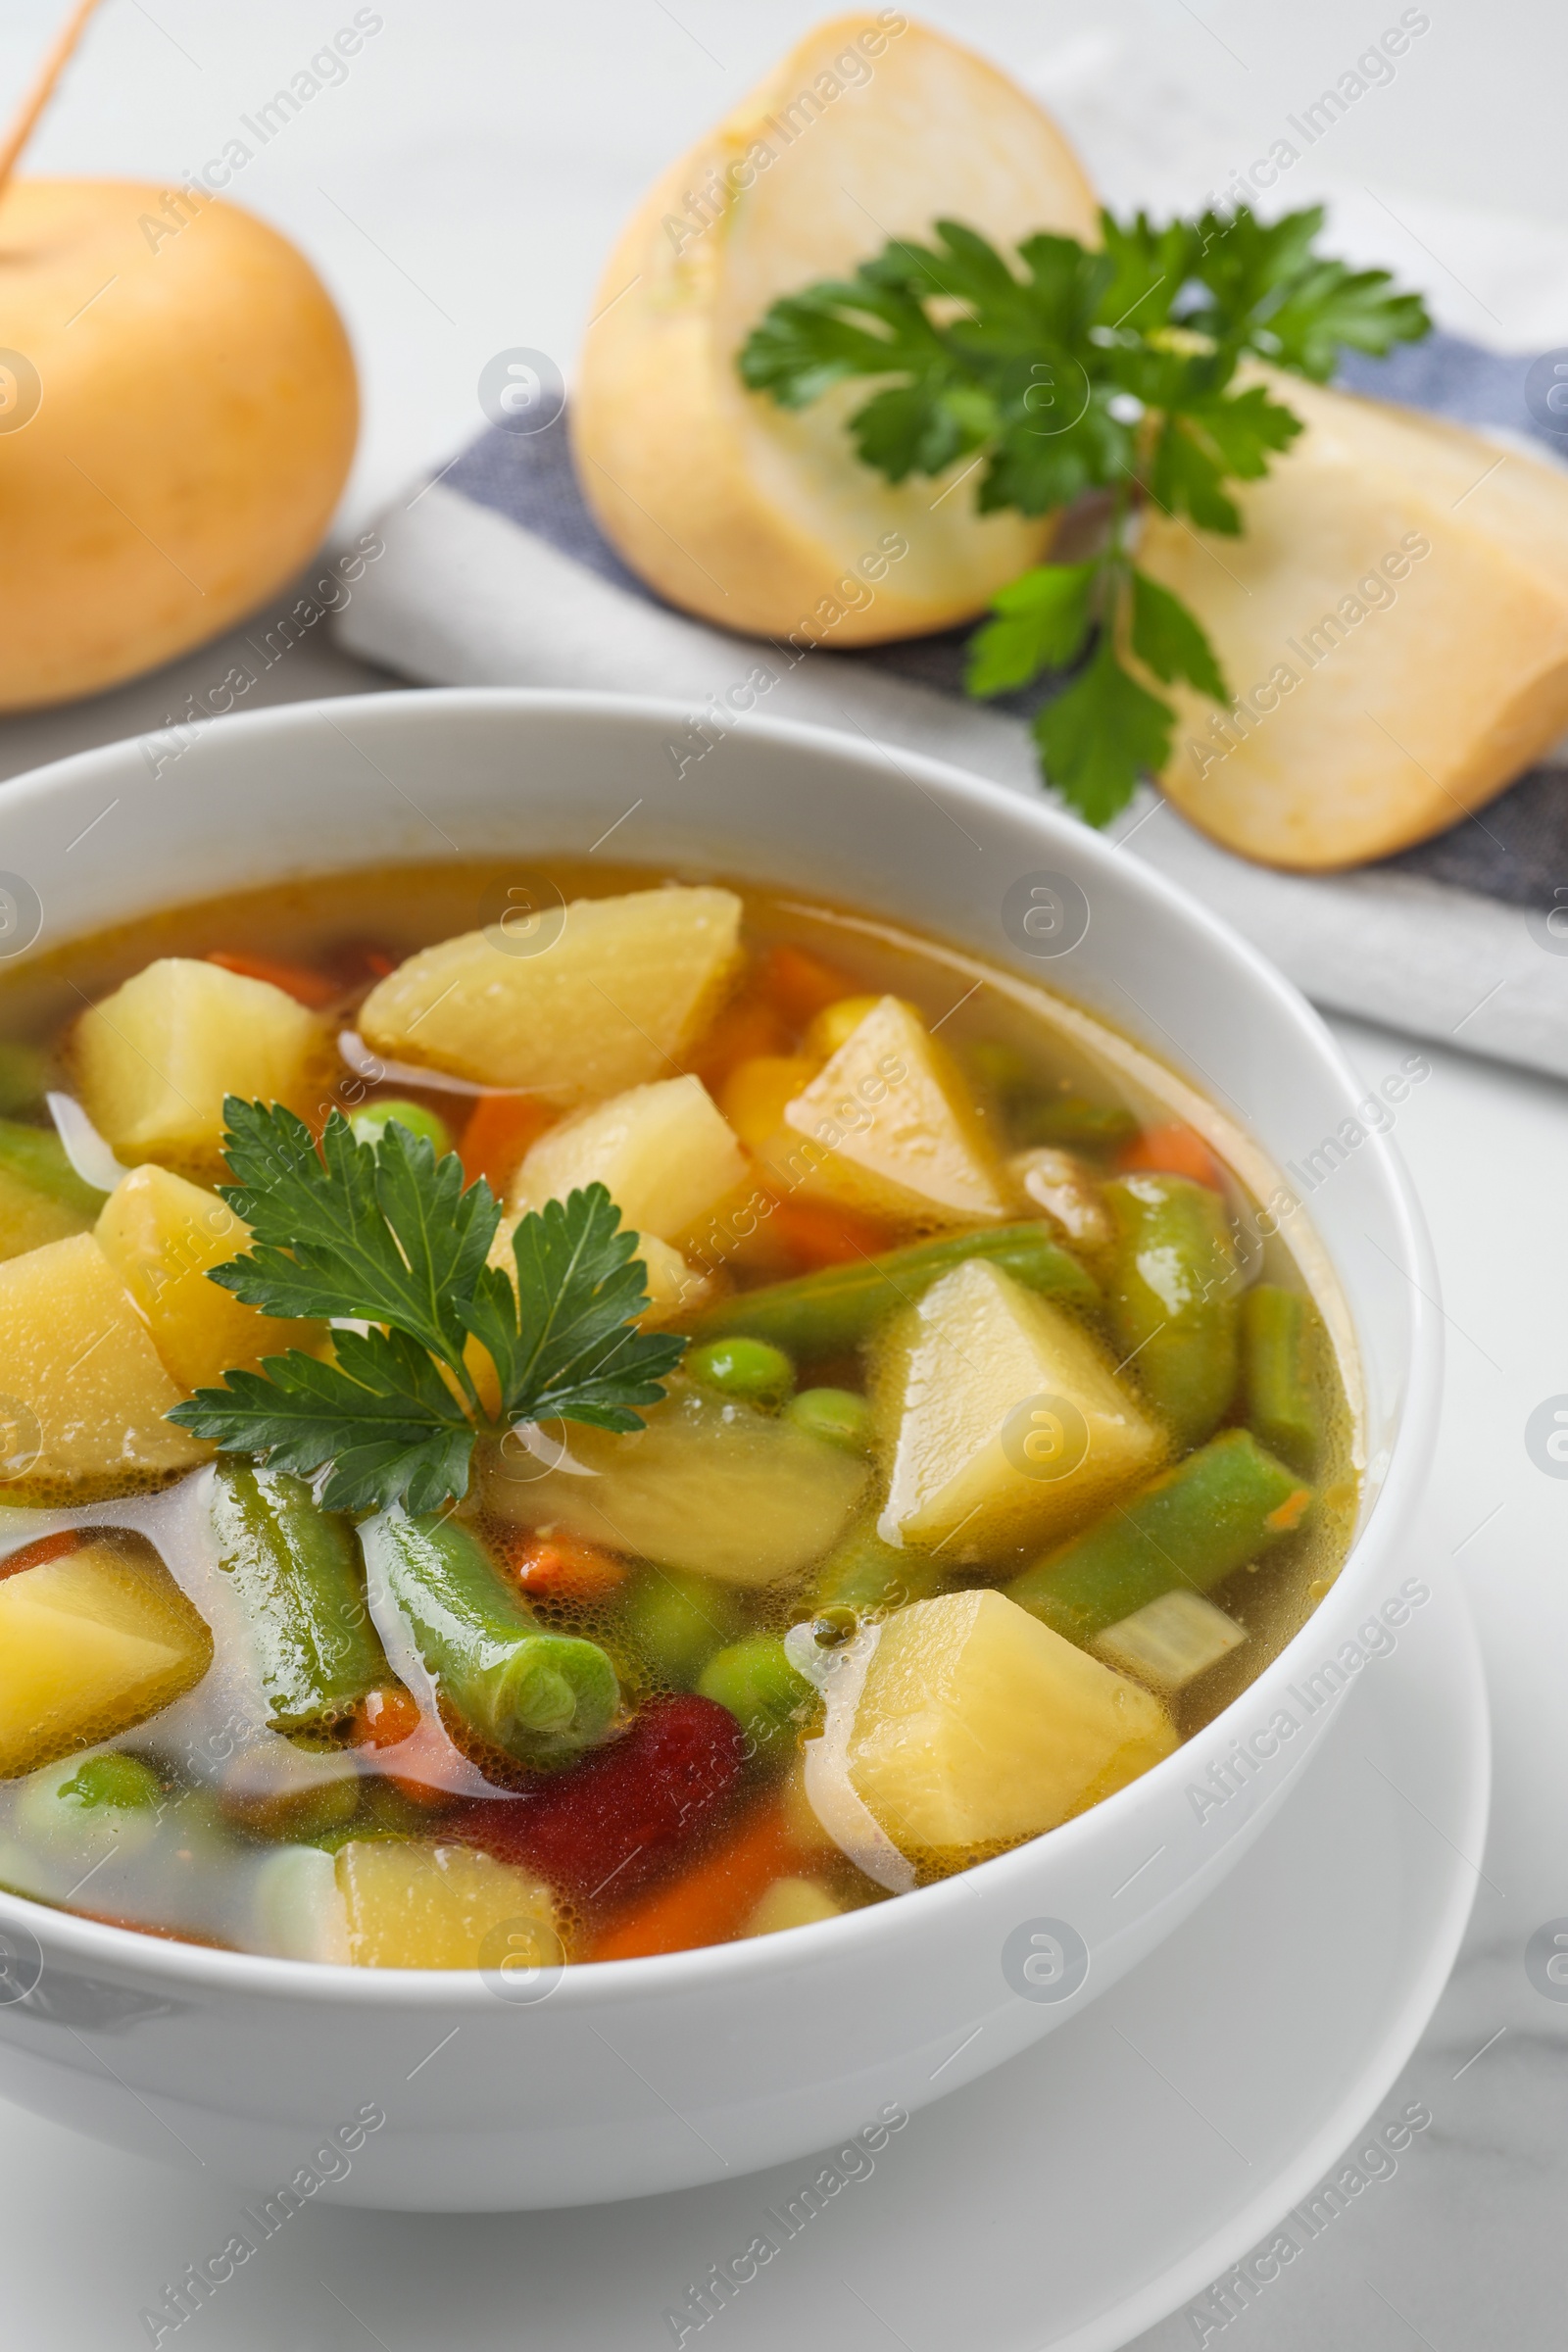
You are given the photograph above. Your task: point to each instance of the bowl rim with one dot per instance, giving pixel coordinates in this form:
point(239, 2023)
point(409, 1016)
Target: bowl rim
point(674, 1975)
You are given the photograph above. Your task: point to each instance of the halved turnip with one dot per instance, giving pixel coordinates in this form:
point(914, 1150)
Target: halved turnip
point(762, 518)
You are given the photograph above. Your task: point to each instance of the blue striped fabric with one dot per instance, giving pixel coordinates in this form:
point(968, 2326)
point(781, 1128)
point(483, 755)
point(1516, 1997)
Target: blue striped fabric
point(1517, 851)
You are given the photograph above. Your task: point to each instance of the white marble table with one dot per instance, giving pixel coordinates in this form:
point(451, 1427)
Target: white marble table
point(458, 192)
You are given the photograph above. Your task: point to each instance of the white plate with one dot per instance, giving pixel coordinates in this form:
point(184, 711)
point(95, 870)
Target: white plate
point(1066, 2200)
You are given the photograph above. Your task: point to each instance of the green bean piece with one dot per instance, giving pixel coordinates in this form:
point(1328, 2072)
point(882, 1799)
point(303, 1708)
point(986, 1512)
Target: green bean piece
point(831, 1311)
point(837, 1415)
point(676, 1622)
point(540, 1697)
point(754, 1370)
point(1195, 1525)
point(372, 1119)
point(298, 1573)
point(1173, 1303)
point(1070, 1121)
point(36, 1158)
point(1281, 1340)
point(761, 1689)
point(23, 1076)
point(864, 1573)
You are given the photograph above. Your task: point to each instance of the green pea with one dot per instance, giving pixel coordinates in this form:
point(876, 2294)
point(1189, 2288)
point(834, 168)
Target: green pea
point(123, 1782)
point(371, 1122)
point(837, 1415)
point(103, 1804)
point(676, 1622)
point(752, 1370)
point(761, 1689)
point(381, 1811)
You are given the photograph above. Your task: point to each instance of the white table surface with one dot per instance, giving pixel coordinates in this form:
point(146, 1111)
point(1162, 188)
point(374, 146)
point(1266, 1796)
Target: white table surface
point(458, 192)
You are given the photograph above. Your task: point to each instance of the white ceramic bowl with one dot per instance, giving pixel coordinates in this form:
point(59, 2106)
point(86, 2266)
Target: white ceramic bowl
point(623, 2079)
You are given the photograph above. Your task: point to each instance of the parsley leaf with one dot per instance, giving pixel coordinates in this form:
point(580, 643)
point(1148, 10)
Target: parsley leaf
point(1169, 641)
point(1081, 371)
point(1042, 619)
point(382, 1235)
point(564, 1346)
point(1101, 731)
point(386, 1235)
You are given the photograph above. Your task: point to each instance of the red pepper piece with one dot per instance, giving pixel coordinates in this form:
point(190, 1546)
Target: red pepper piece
point(625, 1816)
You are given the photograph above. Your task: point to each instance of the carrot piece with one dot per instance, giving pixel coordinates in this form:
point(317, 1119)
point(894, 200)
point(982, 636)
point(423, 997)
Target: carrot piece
point(556, 1567)
point(1290, 1512)
point(744, 1029)
point(1171, 1151)
point(310, 988)
point(714, 1899)
point(801, 984)
point(818, 1234)
point(385, 1718)
point(42, 1548)
point(357, 961)
point(499, 1129)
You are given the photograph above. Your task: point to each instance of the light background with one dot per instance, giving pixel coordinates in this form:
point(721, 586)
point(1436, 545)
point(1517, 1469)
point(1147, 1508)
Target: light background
point(458, 193)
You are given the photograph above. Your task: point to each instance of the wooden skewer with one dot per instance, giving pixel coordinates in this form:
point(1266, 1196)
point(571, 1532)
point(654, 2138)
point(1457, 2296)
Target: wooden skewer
point(44, 89)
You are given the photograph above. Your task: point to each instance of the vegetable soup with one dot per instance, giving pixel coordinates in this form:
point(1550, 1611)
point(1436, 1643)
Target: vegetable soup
point(577, 1416)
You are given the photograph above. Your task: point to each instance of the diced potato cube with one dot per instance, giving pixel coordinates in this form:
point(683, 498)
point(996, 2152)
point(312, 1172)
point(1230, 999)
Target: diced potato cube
point(887, 1129)
point(84, 1391)
point(90, 1644)
point(1003, 1417)
point(837, 1023)
point(415, 1905)
point(1170, 1641)
point(707, 1486)
point(617, 991)
point(791, 1903)
point(160, 1233)
point(662, 1151)
point(675, 1286)
point(976, 1724)
point(155, 1060)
